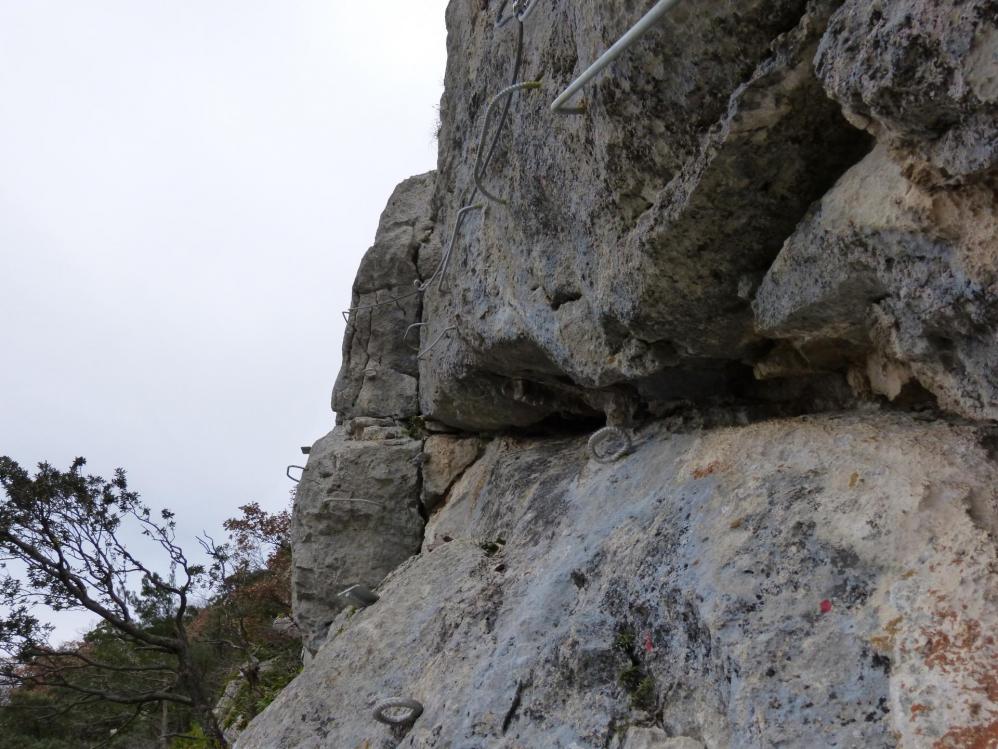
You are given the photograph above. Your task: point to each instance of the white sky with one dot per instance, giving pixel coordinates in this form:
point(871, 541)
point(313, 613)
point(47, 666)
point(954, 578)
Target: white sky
point(186, 189)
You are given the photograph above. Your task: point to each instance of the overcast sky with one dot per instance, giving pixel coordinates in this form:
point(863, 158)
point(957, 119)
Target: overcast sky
point(186, 189)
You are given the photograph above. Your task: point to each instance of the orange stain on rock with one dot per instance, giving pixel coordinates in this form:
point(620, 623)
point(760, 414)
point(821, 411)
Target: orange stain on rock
point(949, 650)
point(970, 737)
point(707, 470)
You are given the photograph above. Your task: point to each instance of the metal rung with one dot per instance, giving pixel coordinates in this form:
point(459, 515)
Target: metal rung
point(360, 595)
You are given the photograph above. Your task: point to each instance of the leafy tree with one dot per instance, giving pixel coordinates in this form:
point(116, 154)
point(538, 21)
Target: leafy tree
point(253, 586)
point(258, 538)
point(63, 531)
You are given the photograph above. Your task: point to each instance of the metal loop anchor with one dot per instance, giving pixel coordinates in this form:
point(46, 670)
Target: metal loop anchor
point(405, 337)
point(609, 435)
point(412, 710)
point(437, 340)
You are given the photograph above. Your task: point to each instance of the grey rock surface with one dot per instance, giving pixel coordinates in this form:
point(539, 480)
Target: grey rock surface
point(356, 517)
point(445, 458)
point(629, 231)
point(896, 281)
point(225, 709)
point(821, 581)
point(656, 738)
point(923, 76)
point(378, 374)
point(285, 625)
point(769, 208)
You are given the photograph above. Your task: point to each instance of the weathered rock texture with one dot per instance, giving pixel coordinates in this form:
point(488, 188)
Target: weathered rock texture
point(897, 281)
point(357, 512)
point(635, 233)
point(823, 581)
point(922, 76)
point(635, 236)
point(445, 458)
point(894, 273)
point(378, 377)
point(356, 517)
point(770, 249)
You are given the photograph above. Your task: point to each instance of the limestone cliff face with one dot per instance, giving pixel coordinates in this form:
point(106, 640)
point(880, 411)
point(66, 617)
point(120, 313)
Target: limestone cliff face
point(767, 255)
point(683, 588)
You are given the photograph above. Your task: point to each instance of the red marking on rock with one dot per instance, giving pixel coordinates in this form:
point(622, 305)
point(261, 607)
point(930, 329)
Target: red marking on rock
point(649, 645)
point(826, 606)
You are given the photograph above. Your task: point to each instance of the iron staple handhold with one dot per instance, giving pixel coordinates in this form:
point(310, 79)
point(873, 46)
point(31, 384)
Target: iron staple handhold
point(360, 594)
point(437, 340)
point(521, 11)
point(603, 435)
point(414, 708)
point(480, 167)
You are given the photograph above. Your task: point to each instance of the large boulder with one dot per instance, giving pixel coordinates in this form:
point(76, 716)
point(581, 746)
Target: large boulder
point(356, 518)
point(378, 373)
point(634, 234)
point(897, 283)
point(821, 581)
point(922, 75)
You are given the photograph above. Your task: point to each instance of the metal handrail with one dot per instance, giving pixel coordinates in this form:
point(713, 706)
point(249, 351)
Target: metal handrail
point(636, 32)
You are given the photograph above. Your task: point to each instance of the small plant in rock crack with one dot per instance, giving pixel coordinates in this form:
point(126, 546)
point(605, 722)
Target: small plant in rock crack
point(640, 686)
point(415, 427)
point(635, 680)
point(630, 678)
point(643, 697)
point(624, 641)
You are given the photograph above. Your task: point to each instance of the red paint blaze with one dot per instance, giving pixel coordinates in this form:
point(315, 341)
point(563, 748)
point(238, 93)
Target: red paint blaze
point(826, 606)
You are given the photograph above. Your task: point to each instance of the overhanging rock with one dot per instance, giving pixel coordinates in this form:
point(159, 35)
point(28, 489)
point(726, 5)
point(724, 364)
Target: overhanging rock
point(922, 75)
point(898, 284)
point(634, 234)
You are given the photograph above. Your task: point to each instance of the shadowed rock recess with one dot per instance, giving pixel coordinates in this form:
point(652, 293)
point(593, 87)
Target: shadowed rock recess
point(767, 251)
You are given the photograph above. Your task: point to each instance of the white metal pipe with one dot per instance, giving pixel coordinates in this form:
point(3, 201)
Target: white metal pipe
point(636, 32)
